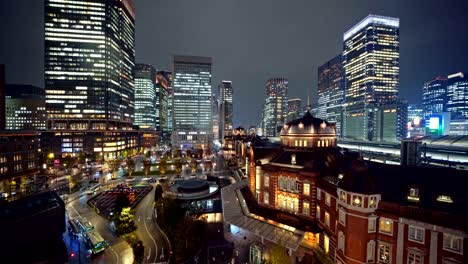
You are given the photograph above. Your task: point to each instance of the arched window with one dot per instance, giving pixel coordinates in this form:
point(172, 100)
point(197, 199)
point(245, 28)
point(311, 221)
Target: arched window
point(305, 143)
point(318, 143)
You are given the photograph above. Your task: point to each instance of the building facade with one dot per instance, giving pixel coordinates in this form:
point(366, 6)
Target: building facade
point(146, 113)
point(392, 122)
point(294, 109)
point(163, 85)
point(2, 97)
point(330, 92)
point(321, 197)
point(89, 61)
point(371, 51)
point(25, 107)
point(275, 109)
point(457, 96)
point(216, 118)
point(415, 121)
point(192, 116)
point(225, 93)
point(434, 96)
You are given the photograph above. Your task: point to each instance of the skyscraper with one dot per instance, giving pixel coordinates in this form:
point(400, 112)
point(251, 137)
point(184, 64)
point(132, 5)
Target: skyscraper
point(225, 109)
point(415, 121)
point(457, 95)
point(89, 61)
point(434, 96)
point(25, 107)
point(145, 96)
point(294, 109)
point(275, 109)
point(371, 64)
point(330, 92)
point(163, 83)
point(193, 121)
point(216, 119)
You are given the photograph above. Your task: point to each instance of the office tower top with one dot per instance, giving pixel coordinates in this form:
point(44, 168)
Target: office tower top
point(457, 95)
point(294, 109)
point(145, 96)
point(225, 109)
point(193, 121)
point(371, 60)
point(371, 51)
point(330, 92)
point(89, 61)
point(434, 96)
point(275, 109)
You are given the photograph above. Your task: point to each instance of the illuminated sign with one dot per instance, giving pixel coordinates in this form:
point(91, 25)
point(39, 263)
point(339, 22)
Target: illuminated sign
point(434, 122)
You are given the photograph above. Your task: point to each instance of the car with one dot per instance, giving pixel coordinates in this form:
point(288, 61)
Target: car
point(152, 180)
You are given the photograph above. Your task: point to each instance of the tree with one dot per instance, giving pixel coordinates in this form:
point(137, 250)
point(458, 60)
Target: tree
point(193, 165)
point(158, 192)
point(148, 154)
point(121, 201)
point(163, 165)
point(147, 167)
point(279, 255)
point(68, 161)
point(131, 166)
point(178, 165)
point(125, 223)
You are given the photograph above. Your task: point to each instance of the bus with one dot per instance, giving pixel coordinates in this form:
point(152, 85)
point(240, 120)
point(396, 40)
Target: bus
point(95, 242)
point(82, 225)
point(93, 189)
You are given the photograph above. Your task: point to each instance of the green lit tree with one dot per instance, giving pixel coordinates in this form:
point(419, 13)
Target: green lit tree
point(125, 222)
point(279, 255)
point(178, 165)
point(163, 165)
point(147, 167)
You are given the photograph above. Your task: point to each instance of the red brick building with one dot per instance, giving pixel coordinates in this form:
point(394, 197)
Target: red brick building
point(368, 212)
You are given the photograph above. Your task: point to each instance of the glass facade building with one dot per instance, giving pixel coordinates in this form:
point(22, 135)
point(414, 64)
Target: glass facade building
point(162, 93)
point(371, 65)
point(330, 92)
point(225, 92)
point(457, 95)
point(294, 109)
point(275, 109)
point(146, 111)
point(434, 96)
point(192, 116)
point(89, 61)
point(25, 107)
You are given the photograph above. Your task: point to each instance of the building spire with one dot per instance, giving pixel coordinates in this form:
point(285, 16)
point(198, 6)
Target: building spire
point(308, 102)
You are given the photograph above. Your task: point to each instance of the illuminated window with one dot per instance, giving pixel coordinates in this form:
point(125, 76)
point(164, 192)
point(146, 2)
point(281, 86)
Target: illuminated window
point(416, 234)
point(295, 143)
point(327, 219)
point(317, 213)
point(306, 189)
point(319, 194)
point(306, 208)
point(326, 243)
point(357, 200)
point(413, 195)
point(341, 241)
point(444, 199)
point(372, 202)
point(386, 226)
point(305, 143)
point(343, 196)
point(318, 143)
point(384, 252)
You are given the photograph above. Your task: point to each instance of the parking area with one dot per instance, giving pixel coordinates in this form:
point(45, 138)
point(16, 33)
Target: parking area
point(104, 202)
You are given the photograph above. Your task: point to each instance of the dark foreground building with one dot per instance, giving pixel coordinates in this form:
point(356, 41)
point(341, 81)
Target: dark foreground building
point(32, 230)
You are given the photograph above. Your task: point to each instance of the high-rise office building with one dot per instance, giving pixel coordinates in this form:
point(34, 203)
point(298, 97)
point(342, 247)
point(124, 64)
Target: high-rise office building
point(163, 83)
point(434, 96)
point(371, 65)
point(193, 120)
point(89, 61)
point(275, 109)
point(2, 97)
point(216, 119)
point(457, 95)
point(225, 92)
point(25, 107)
point(294, 109)
point(145, 96)
point(330, 92)
point(391, 121)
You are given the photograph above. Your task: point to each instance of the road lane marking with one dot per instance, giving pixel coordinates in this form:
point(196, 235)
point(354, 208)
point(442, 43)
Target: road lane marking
point(149, 254)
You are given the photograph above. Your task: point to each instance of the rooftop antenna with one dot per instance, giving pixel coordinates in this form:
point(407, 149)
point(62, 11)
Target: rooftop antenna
point(308, 102)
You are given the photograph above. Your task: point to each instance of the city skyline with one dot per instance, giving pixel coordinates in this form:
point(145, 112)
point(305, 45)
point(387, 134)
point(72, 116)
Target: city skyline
point(249, 66)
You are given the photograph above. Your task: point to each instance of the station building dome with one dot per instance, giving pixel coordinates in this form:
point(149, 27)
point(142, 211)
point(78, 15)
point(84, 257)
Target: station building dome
point(308, 132)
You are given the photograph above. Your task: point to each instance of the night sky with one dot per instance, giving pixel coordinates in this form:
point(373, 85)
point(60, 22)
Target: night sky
point(252, 40)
